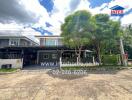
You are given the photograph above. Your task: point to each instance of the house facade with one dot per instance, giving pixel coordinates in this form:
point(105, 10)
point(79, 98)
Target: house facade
point(6, 41)
point(50, 40)
point(47, 54)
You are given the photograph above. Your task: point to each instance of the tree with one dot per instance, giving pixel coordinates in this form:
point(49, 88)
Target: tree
point(76, 30)
point(106, 31)
point(81, 28)
point(128, 39)
point(128, 35)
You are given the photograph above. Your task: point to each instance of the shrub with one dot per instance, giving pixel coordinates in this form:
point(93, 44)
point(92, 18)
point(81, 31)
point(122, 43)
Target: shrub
point(110, 59)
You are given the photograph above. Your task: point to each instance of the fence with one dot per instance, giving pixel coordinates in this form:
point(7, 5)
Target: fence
point(70, 64)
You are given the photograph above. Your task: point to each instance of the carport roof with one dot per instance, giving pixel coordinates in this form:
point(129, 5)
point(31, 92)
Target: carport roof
point(40, 48)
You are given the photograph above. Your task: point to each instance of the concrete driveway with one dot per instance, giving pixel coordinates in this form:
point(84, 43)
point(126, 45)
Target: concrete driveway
point(42, 85)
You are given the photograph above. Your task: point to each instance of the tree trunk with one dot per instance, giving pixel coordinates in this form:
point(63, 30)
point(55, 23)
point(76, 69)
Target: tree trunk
point(99, 53)
point(78, 53)
point(79, 58)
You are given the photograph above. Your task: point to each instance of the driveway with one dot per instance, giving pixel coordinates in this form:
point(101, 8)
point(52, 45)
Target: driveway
point(42, 85)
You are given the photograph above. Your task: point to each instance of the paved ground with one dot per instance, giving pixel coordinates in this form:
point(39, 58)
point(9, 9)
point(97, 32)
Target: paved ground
point(36, 85)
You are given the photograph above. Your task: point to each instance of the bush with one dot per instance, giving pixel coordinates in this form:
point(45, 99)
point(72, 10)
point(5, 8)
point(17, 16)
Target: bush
point(110, 59)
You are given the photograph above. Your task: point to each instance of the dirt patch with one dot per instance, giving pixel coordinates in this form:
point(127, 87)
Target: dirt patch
point(45, 86)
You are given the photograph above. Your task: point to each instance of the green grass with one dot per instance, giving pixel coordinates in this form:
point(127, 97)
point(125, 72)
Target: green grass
point(129, 65)
point(8, 70)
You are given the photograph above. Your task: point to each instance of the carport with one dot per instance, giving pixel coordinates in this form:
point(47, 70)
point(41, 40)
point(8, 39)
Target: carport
point(33, 56)
point(42, 56)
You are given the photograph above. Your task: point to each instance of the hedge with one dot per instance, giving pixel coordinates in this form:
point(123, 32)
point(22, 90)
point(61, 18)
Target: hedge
point(110, 59)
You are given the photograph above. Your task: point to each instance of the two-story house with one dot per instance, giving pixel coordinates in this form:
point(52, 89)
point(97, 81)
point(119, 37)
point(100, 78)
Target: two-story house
point(6, 41)
point(48, 53)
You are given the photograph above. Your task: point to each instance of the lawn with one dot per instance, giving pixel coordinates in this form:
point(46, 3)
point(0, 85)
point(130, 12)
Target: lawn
point(8, 70)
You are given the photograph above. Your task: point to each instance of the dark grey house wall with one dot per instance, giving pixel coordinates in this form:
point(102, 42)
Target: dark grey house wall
point(24, 42)
point(4, 42)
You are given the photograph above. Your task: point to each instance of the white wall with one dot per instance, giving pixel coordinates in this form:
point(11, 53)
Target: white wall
point(16, 63)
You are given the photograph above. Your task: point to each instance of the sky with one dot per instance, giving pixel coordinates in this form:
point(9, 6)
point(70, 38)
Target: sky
point(44, 17)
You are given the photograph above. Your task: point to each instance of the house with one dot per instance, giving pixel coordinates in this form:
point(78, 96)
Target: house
point(14, 40)
point(47, 54)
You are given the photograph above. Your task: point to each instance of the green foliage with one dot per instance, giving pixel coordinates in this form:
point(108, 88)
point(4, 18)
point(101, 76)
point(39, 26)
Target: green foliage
point(129, 51)
point(128, 40)
point(128, 35)
point(110, 46)
point(110, 59)
point(100, 31)
point(105, 35)
point(77, 28)
point(106, 29)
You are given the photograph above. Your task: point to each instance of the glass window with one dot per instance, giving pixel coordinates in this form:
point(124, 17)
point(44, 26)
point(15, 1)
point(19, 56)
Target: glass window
point(51, 42)
point(14, 42)
point(54, 56)
point(45, 56)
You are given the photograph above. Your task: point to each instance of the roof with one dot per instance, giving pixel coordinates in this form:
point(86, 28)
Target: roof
point(31, 48)
point(117, 8)
point(48, 36)
point(22, 37)
point(17, 34)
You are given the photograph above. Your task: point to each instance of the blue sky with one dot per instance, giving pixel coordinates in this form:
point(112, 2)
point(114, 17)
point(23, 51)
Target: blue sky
point(73, 4)
point(48, 5)
point(97, 3)
point(44, 17)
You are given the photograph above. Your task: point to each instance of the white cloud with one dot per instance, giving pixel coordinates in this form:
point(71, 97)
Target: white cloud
point(11, 26)
point(62, 9)
point(127, 19)
point(29, 6)
point(39, 10)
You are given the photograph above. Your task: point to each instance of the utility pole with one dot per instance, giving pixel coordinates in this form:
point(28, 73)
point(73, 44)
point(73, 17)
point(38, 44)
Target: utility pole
point(123, 56)
point(124, 60)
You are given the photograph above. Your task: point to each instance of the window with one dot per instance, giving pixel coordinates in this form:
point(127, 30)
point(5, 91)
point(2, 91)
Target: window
point(14, 42)
point(54, 56)
point(51, 42)
point(45, 56)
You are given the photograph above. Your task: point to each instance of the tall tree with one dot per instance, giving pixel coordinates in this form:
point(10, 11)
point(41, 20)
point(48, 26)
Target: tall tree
point(106, 32)
point(76, 30)
point(128, 40)
point(128, 35)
